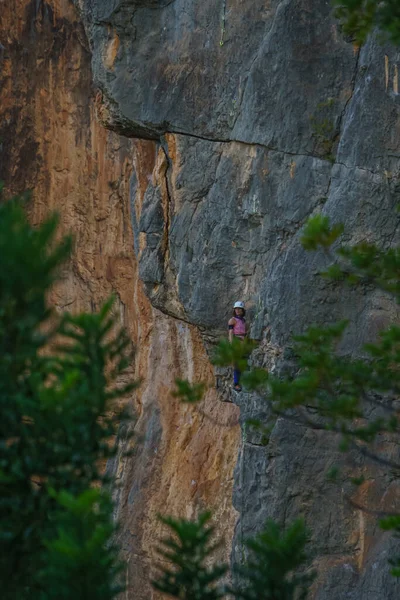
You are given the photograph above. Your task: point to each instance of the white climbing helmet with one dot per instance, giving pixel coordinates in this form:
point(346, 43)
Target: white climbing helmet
point(239, 305)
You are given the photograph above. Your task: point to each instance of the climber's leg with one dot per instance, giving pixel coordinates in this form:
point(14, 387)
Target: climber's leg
point(236, 379)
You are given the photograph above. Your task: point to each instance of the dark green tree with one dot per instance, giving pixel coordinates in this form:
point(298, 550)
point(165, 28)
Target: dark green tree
point(58, 380)
point(361, 17)
point(271, 572)
point(188, 574)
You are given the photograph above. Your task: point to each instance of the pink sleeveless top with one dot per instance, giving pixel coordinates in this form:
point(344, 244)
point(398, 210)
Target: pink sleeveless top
point(239, 328)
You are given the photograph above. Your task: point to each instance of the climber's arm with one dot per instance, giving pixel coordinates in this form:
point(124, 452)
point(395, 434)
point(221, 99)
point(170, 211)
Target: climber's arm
point(231, 325)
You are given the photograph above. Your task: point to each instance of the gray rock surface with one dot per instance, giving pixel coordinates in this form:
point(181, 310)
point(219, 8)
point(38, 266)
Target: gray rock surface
point(263, 114)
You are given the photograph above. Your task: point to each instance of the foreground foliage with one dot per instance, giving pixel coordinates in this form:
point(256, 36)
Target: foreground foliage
point(361, 17)
point(271, 571)
point(188, 575)
point(57, 382)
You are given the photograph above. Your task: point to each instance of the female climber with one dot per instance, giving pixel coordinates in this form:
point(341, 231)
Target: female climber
point(237, 329)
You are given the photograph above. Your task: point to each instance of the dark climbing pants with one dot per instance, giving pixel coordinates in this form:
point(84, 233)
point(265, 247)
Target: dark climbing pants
point(236, 376)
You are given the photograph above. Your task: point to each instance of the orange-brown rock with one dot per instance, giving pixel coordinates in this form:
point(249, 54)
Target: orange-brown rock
point(52, 143)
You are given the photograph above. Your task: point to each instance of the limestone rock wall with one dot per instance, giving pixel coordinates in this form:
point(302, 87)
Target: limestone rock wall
point(262, 113)
point(252, 115)
point(52, 143)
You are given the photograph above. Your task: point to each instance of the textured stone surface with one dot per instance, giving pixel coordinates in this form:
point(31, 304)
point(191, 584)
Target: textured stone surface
point(262, 114)
point(313, 122)
point(171, 73)
point(52, 143)
point(232, 207)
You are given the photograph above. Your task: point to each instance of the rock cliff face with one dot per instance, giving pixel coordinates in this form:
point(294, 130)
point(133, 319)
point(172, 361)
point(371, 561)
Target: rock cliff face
point(262, 113)
point(252, 116)
point(52, 143)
